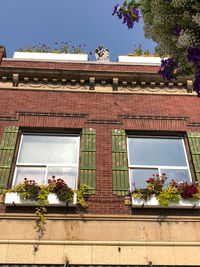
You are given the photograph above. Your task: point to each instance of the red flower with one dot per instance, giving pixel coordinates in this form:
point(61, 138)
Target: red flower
point(25, 179)
point(53, 176)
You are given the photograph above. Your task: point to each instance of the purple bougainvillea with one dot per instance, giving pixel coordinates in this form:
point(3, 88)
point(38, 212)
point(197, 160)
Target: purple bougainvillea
point(167, 68)
point(197, 83)
point(129, 17)
point(176, 30)
point(193, 55)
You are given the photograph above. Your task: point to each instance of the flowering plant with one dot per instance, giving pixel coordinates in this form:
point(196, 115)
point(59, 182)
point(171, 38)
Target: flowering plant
point(29, 189)
point(62, 190)
point(179, 37)
point(139, 52)
point(166, 194)
point(63, 47)
point(156, 183)
point(129, 12)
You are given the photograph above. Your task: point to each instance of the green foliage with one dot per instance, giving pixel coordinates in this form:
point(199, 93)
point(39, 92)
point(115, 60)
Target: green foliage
point(27, 190)
point(82, 194)
point(62, 190)
point(147, 52)
point(63, 47)
point(143, 194)
point(30, 190)
point(165, 195)
point(168, 195)
point(42, 202)
point(139, 52)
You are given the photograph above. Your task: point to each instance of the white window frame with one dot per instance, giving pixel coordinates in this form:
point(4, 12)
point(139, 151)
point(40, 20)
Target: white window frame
point(158, 167)
point(47, 165)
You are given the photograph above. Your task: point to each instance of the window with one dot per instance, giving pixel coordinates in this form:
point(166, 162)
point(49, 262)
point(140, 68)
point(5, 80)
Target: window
point(43, 155)
point(156, 155)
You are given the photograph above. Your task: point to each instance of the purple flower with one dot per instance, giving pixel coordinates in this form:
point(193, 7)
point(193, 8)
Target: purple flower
point(167, 68)
point(176, 30)
point(129, 20)
point(116, 9)
point(193, 55)
point(129, 17)
point(136, 13)
point(197, 83)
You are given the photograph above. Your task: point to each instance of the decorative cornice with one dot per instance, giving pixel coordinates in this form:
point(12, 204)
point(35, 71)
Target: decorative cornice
point(133, 117)
point(99, 121)
point(43, 114)
point(194, 124)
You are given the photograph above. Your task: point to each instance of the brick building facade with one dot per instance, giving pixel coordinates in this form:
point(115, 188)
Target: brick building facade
point(110, 102)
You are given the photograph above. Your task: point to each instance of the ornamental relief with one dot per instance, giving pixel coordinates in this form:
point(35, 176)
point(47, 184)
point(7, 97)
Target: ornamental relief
point(53, 86)
point(153, 90)
point(100, 86)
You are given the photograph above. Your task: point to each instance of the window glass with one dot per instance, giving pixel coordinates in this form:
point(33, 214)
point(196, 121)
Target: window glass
point(31, 173)
point(42, 156)
point(137, 177)
point(178, 175)
point(68, 174)
point(156, 155)
point(48, 149)
point(156, 151)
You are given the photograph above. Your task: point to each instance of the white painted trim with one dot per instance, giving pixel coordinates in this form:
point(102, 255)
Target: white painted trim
point(141, 60)
point(153, 203)
point(51, 56)
point(13, 199)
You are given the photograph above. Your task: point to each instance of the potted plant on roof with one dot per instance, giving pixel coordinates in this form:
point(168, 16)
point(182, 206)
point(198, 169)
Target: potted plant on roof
point(62, 51)
point(140, 57)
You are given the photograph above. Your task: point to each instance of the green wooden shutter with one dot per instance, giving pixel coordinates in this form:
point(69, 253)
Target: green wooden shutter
point(194, 142)
point(88, 159)
point(119, 163)
point(6, 153)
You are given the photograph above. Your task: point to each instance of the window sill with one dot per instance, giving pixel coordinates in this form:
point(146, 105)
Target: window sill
point(13, 199)
point(153, 203)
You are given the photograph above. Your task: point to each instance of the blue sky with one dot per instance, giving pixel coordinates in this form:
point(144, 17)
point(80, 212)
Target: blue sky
point(90, 22)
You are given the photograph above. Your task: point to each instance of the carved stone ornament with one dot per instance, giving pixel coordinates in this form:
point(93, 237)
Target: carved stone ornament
point(102, 54)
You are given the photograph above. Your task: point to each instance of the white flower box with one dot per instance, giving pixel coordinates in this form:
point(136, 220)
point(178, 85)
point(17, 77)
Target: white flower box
point(140, 60)
point(153, 203)
point(50, 56)
point(13, 199)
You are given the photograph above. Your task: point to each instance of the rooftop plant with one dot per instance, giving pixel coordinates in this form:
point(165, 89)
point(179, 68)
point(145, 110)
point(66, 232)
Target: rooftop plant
point(63, 47)
point(139, 52)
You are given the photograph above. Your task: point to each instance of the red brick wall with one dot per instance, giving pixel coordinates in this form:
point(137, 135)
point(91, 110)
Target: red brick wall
point(104, 112)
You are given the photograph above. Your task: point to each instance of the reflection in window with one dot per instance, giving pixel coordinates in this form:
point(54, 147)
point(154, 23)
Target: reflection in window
point(42, 156)
point(157, 155)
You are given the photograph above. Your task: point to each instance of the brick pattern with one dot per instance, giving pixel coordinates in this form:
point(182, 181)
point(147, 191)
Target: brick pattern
point(78, 66)
point(134, 112)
